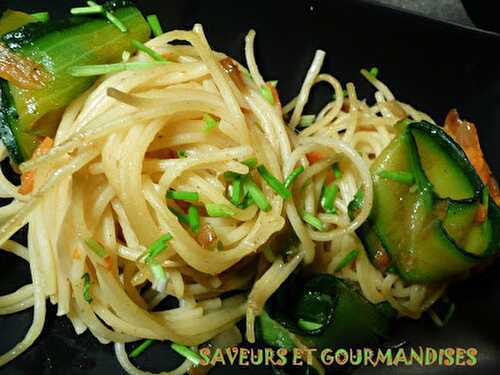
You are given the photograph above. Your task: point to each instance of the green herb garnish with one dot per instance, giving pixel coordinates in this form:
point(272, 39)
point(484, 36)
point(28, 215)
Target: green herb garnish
point(210, 122)
point(314, 221)
point(257, 194)
point(189, 196)
point(353, 254)
point(307, 325)
point(194, 219)
point(250, 163)
point(273, 182)
point(154, 24)
point(95, 9)
point(187, 353)
point(219, 210)
point(267, 94)
point(150, 52)
point(328, 198)
point(40, 16)
point(141, 348)
point(86, 288)
point(307, 120)
point(336, 170)
point(157, 247)
point(292, 176)
point(398, 176)
point(235, 191)
point(373, 72)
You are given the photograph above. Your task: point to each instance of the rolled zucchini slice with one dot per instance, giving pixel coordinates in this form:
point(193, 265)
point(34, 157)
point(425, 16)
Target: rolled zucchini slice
point(429, 229)
point(50, 49)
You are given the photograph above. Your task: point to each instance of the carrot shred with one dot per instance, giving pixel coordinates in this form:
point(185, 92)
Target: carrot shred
point(314, 156)
point(108, 262)
point(465, 134)
point(481, 214)
point(274, 91)
point(76, 254)
point(28, 178)
point(43, 147)
point(27, 182)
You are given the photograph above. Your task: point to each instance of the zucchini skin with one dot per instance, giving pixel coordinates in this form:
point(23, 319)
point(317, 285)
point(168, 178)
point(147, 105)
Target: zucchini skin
point(347, 318)
point(8, 118)
point(58, 45)
point(433, 255)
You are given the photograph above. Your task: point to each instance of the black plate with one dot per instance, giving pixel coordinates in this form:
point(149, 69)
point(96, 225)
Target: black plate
point(433, 65)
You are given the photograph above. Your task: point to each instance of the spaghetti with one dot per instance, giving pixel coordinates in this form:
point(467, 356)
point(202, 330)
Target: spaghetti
point(131, 138)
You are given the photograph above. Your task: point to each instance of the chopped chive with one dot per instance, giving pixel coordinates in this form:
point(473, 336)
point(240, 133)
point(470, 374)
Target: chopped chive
point(449, 314)
point(292, 176)
point(157, 247)
point(220, 245)
point(115, 21)
point(274, 83)
point(313, 221)
point(40, 16)
point(86, 288)
point(336, 170)
point(95, 9)
point(307, 325)
point(235, 192)
point(219, 210)
point(231, 176)
point(180, 216)
point(187, 353)
point(358, 200)
point(154, 24)
point(344, 93)
point(150, 52)
point(97, 70)
point(273, 182)
point(210, 122)
point(257, 195)
point(96, 247)
point(373, 72)
point(442, 322)
point(328, 198)
point(194, 219)
point(159, 276)
point(141, 348)
point(398, 176)
point(190, 196)
point(250, 163)
point(247, 202)
point(347, 260)
point(181, 154)
point(307, 120)
point(267, 94)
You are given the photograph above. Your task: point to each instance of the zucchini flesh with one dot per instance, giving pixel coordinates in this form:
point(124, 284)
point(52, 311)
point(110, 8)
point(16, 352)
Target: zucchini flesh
point(12, 19)
point(446, 176)
point(57, 46)
point(428, 229)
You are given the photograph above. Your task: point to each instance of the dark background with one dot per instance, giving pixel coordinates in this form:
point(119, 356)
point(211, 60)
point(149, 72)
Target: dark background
point(431, 64)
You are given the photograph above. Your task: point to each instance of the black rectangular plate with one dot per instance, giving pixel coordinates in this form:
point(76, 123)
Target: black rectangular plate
point(433, 65)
